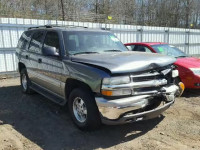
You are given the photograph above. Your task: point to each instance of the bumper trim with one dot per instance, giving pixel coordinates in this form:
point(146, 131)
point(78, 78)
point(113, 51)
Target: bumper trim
point(117, 111)
point(113, 109)
point(139, 116)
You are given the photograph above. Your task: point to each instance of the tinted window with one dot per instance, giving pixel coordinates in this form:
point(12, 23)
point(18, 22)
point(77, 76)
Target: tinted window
point(130, 47)
point(52, 40)
point(141, 48)
point(169, 50)
point(91, 41)
point(36, 42)
point(24, 40)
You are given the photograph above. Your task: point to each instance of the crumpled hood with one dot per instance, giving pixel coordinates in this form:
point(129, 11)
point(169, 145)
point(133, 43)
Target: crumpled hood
point(188, 62)
point(125, 62)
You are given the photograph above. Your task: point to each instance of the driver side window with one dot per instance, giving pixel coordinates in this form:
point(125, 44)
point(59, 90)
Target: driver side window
point(52, 40)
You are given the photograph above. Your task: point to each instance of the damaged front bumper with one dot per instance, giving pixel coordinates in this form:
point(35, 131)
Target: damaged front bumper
point(125, 110)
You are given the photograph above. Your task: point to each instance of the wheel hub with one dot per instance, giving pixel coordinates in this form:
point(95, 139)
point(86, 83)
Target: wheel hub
point(24, 81)
point(79, 110)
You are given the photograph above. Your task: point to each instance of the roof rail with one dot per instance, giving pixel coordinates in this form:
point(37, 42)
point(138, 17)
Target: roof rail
point(51, 26)
point(37, 27)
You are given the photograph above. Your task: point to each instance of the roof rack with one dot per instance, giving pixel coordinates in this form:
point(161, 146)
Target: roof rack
point(51, 26)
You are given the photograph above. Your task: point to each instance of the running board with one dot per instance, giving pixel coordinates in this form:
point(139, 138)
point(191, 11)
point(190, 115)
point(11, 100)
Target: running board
point(47, 94)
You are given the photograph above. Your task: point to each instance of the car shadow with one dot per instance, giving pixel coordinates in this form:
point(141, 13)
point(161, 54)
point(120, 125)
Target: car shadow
point(191, 93)
point(50, 127)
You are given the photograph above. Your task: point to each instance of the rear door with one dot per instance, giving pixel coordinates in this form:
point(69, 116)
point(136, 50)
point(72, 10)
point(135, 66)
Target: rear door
point(22, 48)
point(35, 54)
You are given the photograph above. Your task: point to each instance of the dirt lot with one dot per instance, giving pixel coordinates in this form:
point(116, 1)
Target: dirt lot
point(33, 122)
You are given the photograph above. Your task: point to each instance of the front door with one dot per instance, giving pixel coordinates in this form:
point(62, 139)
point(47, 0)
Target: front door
point(51, 67)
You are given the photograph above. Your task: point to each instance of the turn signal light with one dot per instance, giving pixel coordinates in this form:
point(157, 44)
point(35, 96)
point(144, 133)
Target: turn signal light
point(106, 93)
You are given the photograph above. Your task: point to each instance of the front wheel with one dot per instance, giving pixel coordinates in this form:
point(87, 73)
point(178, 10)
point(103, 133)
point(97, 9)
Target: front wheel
point(83, 110)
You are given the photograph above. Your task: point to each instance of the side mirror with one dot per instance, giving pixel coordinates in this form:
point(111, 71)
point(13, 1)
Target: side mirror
point(49, 51)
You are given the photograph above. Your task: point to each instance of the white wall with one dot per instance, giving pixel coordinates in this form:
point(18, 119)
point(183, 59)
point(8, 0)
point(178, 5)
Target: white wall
point(12, 28)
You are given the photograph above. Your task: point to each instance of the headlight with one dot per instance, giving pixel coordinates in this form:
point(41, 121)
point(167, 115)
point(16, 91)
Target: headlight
point(175, 73)
point(196, 71)
point(116, 80)
point(113, 86)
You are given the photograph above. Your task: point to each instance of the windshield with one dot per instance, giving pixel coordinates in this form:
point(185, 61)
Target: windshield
point(88, 42)
point(169, 50)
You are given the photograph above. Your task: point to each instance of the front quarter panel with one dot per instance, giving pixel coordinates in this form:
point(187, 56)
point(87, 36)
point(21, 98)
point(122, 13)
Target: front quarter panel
point(87, 74)
point(187, 77)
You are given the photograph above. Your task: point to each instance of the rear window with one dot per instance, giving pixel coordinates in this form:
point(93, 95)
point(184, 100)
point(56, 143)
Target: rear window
point(24, 40)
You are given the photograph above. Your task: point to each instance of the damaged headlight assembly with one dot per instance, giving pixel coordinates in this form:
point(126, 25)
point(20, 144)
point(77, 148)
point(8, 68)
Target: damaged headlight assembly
point(116, 86)
point(175, 73)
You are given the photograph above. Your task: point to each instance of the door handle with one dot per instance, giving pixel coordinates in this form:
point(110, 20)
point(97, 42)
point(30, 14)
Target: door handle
point(39, 60)
point(26, 56)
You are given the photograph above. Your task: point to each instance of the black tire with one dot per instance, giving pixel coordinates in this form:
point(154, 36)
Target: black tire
point(26, 89)
point(92, 121)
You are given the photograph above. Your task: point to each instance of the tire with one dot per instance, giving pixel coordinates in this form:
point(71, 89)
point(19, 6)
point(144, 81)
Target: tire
point(87, 117)
point(25, 82)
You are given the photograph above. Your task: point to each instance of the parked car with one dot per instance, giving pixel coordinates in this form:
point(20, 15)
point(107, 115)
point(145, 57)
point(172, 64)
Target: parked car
point(93, 73)
point(188, 67)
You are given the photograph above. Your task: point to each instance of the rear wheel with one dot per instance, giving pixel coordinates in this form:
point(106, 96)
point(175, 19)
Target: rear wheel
point(83, 110)
point(25, 82)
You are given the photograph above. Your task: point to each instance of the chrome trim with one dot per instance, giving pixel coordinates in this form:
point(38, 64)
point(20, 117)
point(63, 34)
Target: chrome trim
point(172, 89)
point(122, 102)
point(151, 83)
point(139, 116)
point(145, 75)
point(113, 109)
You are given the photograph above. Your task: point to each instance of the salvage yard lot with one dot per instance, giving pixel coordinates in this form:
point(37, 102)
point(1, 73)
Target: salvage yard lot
point(33, 122)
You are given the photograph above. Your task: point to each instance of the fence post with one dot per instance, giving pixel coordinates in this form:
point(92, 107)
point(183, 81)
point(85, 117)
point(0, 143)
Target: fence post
point(187, 41)
point(166, 36)
point(139, 35)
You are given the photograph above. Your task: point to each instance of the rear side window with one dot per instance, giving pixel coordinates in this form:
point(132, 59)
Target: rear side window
point(52, 40)
point(36, 42)
point(130, 47)
point(24, 40)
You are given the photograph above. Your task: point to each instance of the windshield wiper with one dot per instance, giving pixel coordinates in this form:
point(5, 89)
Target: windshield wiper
point(85, 53)
point(113, 50)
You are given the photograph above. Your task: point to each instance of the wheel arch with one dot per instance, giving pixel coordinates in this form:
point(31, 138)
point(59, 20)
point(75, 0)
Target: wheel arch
point(72, 84)
point(21, 66)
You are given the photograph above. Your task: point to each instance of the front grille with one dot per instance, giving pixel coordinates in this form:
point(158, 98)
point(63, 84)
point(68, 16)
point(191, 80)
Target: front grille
point(152, 81)
point(147, 78)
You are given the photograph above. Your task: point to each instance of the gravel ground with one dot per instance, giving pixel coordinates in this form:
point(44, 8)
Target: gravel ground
point(33, 122)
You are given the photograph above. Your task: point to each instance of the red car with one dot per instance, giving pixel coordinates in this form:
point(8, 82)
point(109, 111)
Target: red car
point(189, 67)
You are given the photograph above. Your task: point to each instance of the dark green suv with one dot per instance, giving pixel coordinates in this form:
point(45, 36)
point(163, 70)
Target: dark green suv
point(93, 73)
